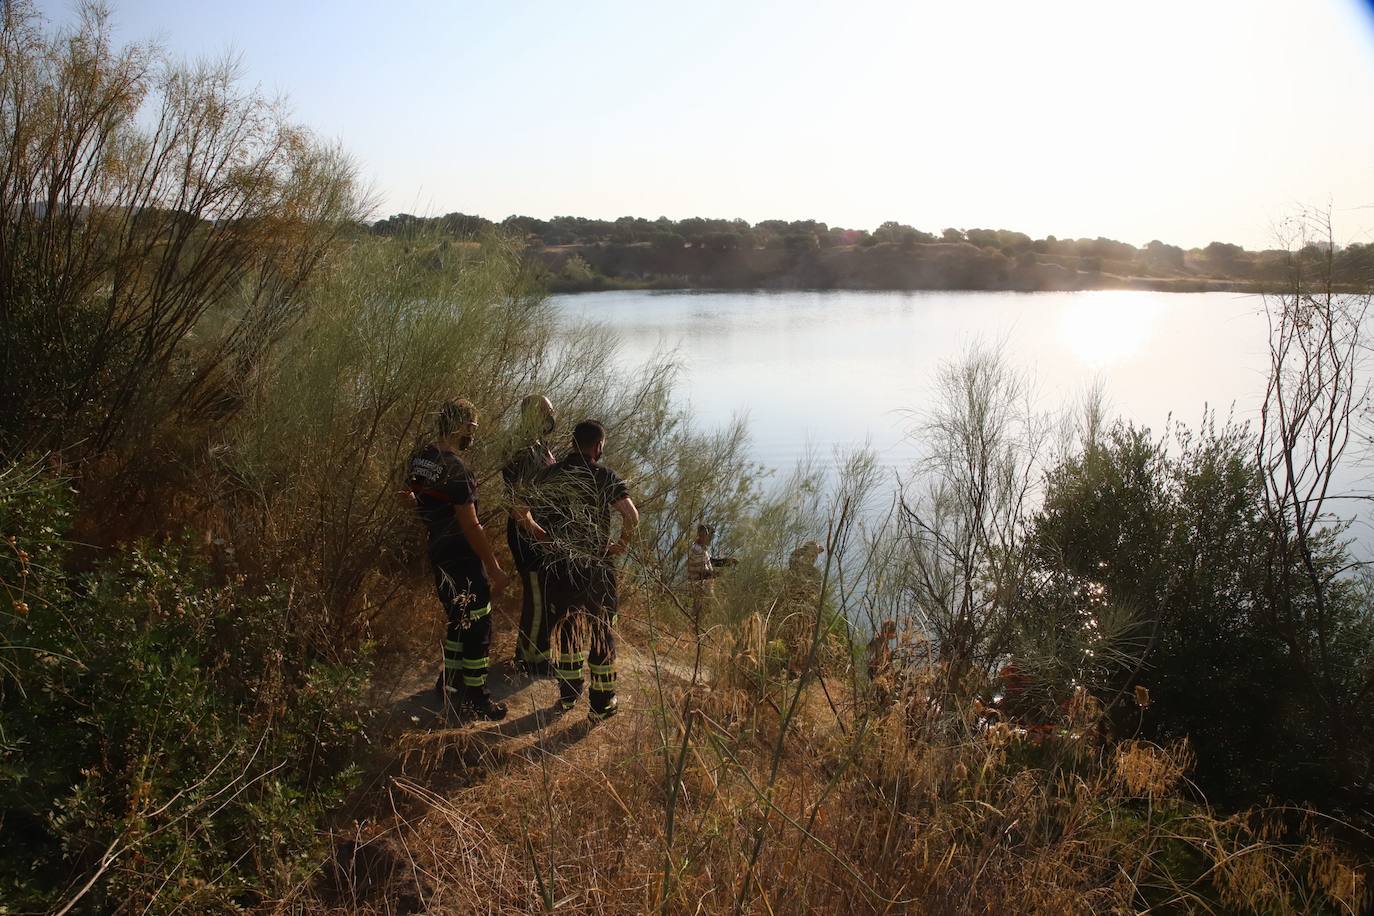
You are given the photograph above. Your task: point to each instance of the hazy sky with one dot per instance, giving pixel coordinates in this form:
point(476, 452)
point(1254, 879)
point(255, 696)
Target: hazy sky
point(1184, 121)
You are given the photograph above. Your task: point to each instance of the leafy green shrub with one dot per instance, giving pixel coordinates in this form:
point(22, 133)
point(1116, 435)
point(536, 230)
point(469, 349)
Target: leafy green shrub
point(167, 737)
point(1178, 539)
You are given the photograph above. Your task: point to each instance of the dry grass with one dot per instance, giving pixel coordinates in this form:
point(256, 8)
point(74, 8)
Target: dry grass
point(910, 808)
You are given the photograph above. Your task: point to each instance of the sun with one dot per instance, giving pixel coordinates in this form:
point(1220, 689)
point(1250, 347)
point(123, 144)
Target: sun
point(1109, 328)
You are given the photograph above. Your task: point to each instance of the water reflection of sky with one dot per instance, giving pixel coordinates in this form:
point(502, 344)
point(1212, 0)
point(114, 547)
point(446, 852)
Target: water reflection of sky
point(833, 369)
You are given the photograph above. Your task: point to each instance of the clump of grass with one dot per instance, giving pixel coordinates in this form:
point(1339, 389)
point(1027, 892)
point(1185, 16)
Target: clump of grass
point(760, 793)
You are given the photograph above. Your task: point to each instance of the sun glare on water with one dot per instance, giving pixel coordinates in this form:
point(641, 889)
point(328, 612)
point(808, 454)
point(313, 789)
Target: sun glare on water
point(1109, 330)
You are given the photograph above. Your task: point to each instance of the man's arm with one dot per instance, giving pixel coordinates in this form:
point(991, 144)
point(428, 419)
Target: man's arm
point(629, 520)
point(519, 510)
point(477, 539)
point(525, 519)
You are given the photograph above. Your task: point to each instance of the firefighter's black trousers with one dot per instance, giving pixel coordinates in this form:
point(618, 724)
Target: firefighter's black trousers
point(466, 596)
point(582, 602)
point(532, 640)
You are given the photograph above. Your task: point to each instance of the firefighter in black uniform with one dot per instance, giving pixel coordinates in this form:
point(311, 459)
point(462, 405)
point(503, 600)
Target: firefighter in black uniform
point(521, 473)
point(466, 573)
point(573, 505)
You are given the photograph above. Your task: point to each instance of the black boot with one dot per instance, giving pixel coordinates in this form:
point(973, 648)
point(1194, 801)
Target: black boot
point(479, 705)
point(540, 668)
point(600, 712)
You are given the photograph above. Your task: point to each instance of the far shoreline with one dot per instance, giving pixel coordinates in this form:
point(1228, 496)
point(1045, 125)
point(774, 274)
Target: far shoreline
point(1133, 285)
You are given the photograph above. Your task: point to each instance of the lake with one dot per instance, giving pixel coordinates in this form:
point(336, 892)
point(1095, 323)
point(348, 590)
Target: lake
point(836, 369)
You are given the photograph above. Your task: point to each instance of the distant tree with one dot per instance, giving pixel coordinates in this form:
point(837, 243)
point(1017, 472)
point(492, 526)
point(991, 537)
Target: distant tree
point(396, 225)
point(722, 241)
point(952, 235)
point(837, 236)
point(808, 226)
point(463, 225)
point(769, 233)
point(693, 229)
point(1354, 264)
point(1109, 249)
point(1223, 252)
point(1000, 239)
point(901, 234)
point(666, 240)
point(628, 229)
point(527, 226)
point(1160, 255)
point(1013, 242)
point(983, 238)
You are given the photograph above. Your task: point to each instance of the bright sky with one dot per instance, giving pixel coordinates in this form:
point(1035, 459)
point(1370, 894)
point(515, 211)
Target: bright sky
point(1183, 120)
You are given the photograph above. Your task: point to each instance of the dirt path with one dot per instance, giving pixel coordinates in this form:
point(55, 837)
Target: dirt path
point(420, 757)
point(415, 740)
point(413, 705)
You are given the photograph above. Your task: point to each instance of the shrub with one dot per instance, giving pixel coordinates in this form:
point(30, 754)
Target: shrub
point(1178, 538)
point(315, 457)
point(139, 194)
point(168, 737)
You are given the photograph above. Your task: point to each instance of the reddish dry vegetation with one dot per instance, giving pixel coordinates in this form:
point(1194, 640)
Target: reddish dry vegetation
point(693, 801)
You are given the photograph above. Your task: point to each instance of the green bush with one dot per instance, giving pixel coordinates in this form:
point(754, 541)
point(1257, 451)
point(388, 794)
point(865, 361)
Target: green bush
point(163, 731)
point(1177, 538)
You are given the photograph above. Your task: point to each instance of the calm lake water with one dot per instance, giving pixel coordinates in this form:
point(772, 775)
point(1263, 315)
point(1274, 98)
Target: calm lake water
point(824, 370)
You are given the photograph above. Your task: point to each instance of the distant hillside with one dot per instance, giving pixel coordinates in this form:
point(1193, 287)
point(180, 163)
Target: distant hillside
point(582, 254)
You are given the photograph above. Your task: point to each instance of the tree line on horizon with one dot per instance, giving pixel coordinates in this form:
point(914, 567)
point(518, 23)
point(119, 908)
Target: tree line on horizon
point(734, 234)
point(581, 253)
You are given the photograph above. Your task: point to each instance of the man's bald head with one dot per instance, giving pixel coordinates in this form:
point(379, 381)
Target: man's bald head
point(536, 415)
